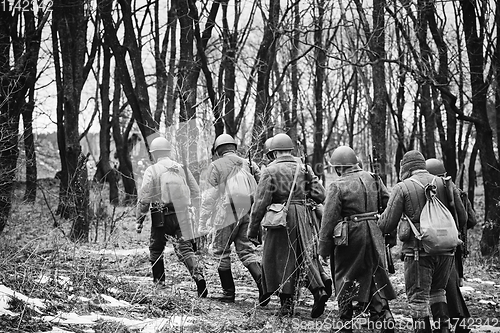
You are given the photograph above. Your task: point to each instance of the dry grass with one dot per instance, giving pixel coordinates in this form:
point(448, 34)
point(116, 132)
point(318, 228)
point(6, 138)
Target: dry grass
point(38, 261)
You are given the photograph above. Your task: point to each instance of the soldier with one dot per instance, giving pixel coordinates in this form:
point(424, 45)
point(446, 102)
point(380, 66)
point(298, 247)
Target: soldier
point(426, 275)
point(457, 307)
point(285, 249)
point(231, 221)
point(359, 267)
point(168, 219)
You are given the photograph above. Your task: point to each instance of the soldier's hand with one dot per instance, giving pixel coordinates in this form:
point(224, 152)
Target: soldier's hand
point(390, 239)
point(323, 260)
point(138, 227)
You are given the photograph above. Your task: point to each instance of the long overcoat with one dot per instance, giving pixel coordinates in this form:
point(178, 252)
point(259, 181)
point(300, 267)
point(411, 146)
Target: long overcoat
point(361, 264)
point(285, 248)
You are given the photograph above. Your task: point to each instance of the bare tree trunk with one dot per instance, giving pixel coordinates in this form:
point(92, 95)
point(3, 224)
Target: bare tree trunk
point(71, 24)
point(202, 65)
point(352, 103)
point(15, 82)
point(137, 95)
point(448, 142)
point(378, 115)
point(320, 64)
point(425, 87)
point(229, 67)
point(104, 172)
point(121, 145)
point(29, 148)
point(291, 123)
point(160, 63)
point(484, 136)
point(472, 174)
point(262, 127)
point(496, 61)
point(170, 90)
point(186, 83)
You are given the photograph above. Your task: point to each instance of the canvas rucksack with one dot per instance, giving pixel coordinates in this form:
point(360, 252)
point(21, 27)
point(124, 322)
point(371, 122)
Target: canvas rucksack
point(173, 186)
point(240, 186)
point(438, 231)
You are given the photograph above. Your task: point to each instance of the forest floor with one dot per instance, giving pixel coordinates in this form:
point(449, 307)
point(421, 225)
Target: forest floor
point(49, 284)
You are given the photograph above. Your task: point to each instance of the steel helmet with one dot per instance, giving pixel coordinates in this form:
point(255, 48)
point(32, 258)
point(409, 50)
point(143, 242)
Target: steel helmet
point(343, 156)
point(435, 166)
point(267, 145)
point(281, 141)
point(224, 139)
point(160, 143)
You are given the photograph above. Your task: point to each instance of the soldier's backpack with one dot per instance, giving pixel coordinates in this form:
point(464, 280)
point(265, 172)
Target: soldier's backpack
point(173, 186)
point(240, 186)
point(438, 231)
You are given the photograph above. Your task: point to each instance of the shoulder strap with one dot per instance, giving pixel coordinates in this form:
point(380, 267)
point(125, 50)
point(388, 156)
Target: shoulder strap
point(416, 181)
point(413, 201)
point(297, 169)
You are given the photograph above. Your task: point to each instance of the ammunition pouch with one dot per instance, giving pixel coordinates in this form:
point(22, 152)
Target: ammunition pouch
point(158, 212)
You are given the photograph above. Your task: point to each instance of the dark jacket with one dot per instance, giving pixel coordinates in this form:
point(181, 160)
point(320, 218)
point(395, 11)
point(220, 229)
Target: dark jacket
point(363, 260)
point(400, 203)
point(285, 247)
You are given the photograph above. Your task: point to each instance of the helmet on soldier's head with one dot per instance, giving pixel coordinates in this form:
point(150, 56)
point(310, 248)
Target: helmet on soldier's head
point(281, 141)
point(435, 167)
point(343, 156)
point(267, 145)
point(160, 143)
point(224, 139)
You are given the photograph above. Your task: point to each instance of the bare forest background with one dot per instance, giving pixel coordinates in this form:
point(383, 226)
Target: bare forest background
point(381, 76)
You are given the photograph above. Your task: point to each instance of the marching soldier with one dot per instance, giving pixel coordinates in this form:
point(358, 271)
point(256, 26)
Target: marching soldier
point(230, 220)
point(169, 219)
point(358, 264)
point(287, 248)
point(426, 275)
point(457, 307)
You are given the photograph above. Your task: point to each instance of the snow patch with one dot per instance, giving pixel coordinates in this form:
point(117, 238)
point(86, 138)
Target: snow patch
point(113, 302)
point(145, 325)
point(482, 301)
point(60, 280)
point(125, 252)
point(489, 283)
point(466, 289)
point(486, 328)
point(9, 293)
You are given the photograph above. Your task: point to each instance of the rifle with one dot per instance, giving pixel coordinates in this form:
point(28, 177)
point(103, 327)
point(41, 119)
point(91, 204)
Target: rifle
point(250, 166)
point(389, 239)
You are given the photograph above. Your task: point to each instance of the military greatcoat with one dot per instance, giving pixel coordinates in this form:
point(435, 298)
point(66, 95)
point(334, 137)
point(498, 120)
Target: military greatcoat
point(286, 248)
point(361, 265)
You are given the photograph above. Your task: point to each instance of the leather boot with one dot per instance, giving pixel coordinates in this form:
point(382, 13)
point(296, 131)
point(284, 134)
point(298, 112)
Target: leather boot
point(201, 288)
point(440, 315)
point(197, 274)
point(286, 309)
point(328, 287)
point(422, 325)
point(256, 272)
point(158, 269)
point(387, 319)
point(320, 298)
point(228, 289)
